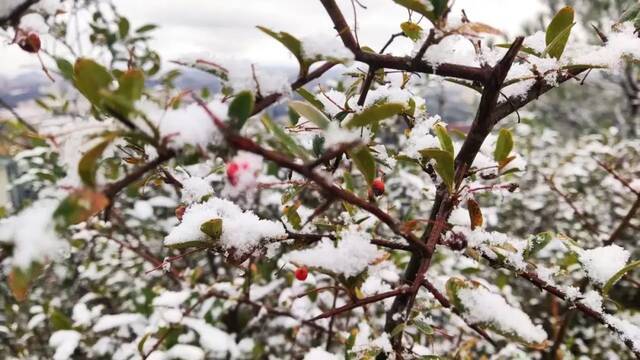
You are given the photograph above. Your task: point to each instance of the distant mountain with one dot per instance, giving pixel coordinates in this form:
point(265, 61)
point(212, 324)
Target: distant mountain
point(451, 101)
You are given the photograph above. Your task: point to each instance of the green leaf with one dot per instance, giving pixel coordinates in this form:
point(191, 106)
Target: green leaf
point(375, 113)
point(240, 109)
point(213, 228)
point(439, 7)
point(536, 243)
point(287, 141)
point(131, 85)
point(617, 276)
point(146, 28)
point(558, 32)
point(444, 165)
point(291, 212)
point(504, 145)
point(365, 162)
point(318, 145)
point(424, 328)
point(89, 78)
point(65, 67)
point(290, 42)
point(311, 113)
point(452, 287)
point(310, 98)
point(87, 166)
point(123, 27)
point(631, 13)
point(419, 6)
point(78, 207)
point(411, 30)
point(60, 321)
point(443, 136)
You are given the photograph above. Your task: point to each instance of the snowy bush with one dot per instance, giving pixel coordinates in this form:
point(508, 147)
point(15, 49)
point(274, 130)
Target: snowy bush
point(172, 223)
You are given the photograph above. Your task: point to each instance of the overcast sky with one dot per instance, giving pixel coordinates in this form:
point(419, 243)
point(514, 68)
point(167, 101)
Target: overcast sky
point(227, 27)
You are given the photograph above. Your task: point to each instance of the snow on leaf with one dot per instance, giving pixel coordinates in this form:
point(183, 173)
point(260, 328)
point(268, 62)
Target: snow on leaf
point(603, 262)
point(242, 230)
point(65, 342)
point(350, 257)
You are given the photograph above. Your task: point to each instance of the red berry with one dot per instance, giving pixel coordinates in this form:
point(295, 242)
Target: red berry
point(301, 273)
point(378, 186)
point(30, 43)
point(180, 212)
point(232, 173)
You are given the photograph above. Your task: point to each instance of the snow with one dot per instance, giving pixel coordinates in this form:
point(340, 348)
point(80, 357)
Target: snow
point(190, 125)
point(108, 322)
point(603, 262)
point(483, 306)
point(350, 257)
point(621, 43)
point(627, 330)
point(171, 298)
point(32, 231)
point(184, 352)
point(420, 138)
point(325, 46)
point(319, 353)
point(333, 101)
point(241, 230)
point(335, 135)
point(211, 338)
point(65, 342)
point(195, 188)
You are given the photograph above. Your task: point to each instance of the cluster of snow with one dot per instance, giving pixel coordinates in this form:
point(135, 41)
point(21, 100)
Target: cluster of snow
point(211, 338)
point(241, 230)
point(603, 262)
point(335, 135)
point(420, 137)
point(318, 353)
point(333, 101)
point(483, 306)
point(65, 342)
point(352, 255)
point(492, 243)
point(190, 125)
point(323, 46)
point(108, 322)
point(627, 331)
point(194, 188)
point(32, 232)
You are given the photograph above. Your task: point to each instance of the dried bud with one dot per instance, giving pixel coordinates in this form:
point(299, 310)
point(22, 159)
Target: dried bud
point(180, 212)
point(30, 42)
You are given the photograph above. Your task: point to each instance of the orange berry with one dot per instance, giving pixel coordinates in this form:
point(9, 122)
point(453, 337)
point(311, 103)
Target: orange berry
point(377, 186)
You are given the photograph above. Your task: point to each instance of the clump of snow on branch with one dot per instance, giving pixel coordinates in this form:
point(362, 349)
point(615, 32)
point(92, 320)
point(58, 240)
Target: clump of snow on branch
point(195, 188)
point(65, 342)
point(32, 233)
point(241, 230)
point(603, 262)
point(334, 135)
point(190, 125)
point(420, 137)
point(323, 46)
point(352, 255)
point(483, 306)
